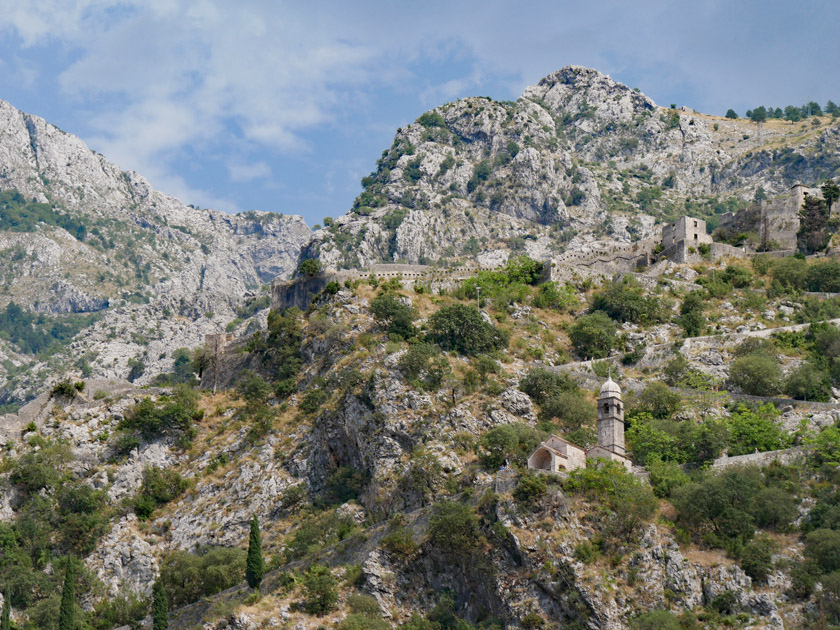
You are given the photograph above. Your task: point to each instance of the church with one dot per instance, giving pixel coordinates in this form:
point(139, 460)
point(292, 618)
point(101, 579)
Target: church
point(558, 455)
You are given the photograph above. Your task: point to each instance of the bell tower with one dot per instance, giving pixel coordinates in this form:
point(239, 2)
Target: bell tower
point(611, 418)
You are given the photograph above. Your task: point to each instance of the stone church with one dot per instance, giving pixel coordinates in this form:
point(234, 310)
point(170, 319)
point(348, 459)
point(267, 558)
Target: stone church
point(558, 455)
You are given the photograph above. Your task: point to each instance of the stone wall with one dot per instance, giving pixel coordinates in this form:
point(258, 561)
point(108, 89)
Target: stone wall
point(785, 456)
point(300, 291)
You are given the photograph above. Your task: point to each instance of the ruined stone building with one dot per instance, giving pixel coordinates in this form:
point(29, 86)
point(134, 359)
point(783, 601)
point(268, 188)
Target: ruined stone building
point(558, 455)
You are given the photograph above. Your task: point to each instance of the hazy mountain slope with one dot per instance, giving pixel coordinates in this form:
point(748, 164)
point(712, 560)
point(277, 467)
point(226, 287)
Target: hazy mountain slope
point(82, 236)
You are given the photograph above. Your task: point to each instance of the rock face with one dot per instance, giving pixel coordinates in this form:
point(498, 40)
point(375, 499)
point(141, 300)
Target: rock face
point(576, 154)
point(142, 259)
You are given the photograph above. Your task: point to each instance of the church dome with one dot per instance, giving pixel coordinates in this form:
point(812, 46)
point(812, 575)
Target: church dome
point(610, 389)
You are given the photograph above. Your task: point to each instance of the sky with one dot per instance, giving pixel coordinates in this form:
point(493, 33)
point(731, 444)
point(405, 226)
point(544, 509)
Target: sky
point(285, 106)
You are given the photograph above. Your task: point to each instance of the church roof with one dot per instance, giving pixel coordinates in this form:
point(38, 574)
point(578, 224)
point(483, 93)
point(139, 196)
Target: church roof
point(610, 388)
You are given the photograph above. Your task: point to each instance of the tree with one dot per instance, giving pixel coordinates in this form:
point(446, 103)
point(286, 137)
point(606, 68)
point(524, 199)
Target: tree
point(5, 619)
point(160, 607)
point(395, 314)
point(813, 222)
point(67, 612)
point(593, 335)
point(730, 113)
point(691, 314)
point(757, 374)
point(461, 328)
point(255, 567)
point(831, 193)
point(320, 588)
point(309, 267)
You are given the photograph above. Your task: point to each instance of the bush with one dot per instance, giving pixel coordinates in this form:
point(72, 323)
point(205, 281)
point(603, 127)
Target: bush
point(751, 431)
point(531, 487)
point(461, 328)
point(400, 541)
point(691, 314)
point(717, 506)
point(173, 415)
point(397, 317)
point(775, 509)
point(454, 530)
point(808, 382)
point(187, 577)
point(513, 442)
point(309, 267)
point(357, 621)
point(656, 620)
point(756, 374)
point(830, 597)
point(541, 384)
point(320, 590)
point(757, 558)
point(627, 504)
point(823, 547)
point(665, 477)
point(570, 408)
point(593, 335)
point(624, 300)
point(658, 400)
point(159, 487)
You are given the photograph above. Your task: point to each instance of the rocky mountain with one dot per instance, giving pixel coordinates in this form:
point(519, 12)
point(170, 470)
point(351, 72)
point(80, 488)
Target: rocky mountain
point(426, 451)
point(577, 155)
point(81, 236)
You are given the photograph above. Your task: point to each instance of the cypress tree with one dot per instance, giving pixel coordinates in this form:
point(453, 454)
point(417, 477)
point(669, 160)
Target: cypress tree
point(5, 620)
point(255, 567)
point(67, 612)
point(160, 613)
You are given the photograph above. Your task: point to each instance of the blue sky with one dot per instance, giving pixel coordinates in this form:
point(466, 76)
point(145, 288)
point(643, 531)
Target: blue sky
point(284, 106)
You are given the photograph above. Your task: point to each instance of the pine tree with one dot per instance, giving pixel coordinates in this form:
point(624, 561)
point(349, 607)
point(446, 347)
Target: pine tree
point(160, 613)
point(5, 619)
point(255, 568)
point(67, 612)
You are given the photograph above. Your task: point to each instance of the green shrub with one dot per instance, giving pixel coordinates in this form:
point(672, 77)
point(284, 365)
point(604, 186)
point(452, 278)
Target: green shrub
point(572, 410)
point(400, 541)
point(397, 317)
point(756, 374)
point(658, 400)
point(808, 382)
point(626, 504)
point(187, 577)
point(312, 400)
point(173, 415)
point(159, 487)
point(665, 477)
point(593, 335)
point(309, 267)
point(775, 509)
point(751, 431)
point(823, 547)
point(364, 605)
point(531, 488)
point(320, 590)
point(656, 620)
point(454, 530)
point(586, 552)
point(357, 621)
point(461, 328)
point(757, 558)
point(513, 442)
point(624, 300)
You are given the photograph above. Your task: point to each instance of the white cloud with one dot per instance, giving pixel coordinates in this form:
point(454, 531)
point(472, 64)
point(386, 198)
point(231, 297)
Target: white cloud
point(240, 172)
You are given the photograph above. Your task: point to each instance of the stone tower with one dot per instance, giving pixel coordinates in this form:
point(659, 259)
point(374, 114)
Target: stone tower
point(611, 418)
